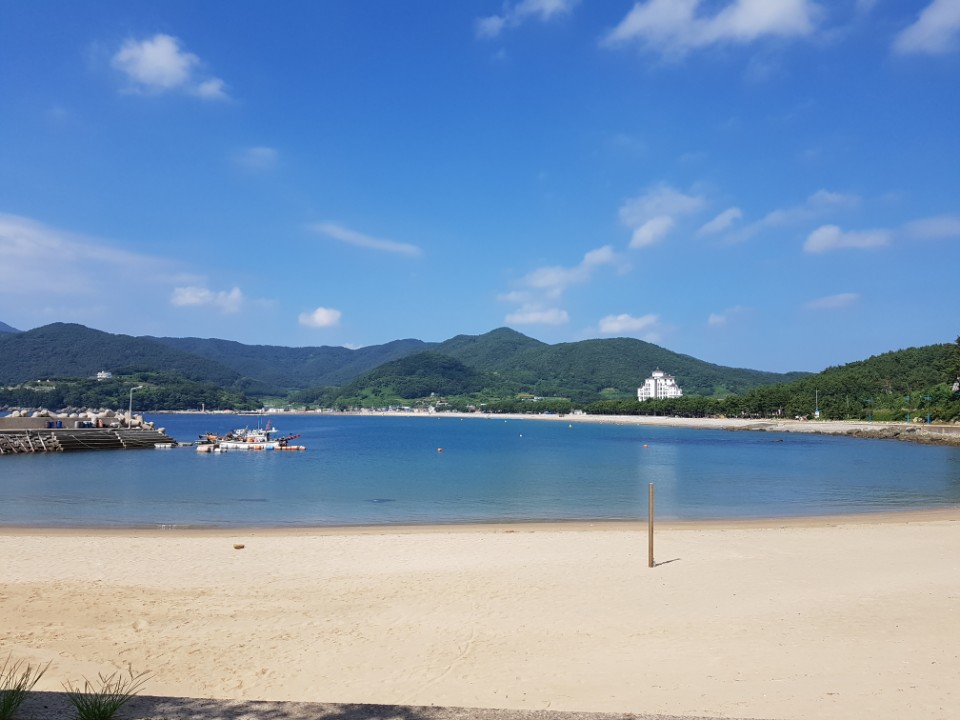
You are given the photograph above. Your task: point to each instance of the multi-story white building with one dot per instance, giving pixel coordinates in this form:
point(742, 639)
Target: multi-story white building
point(659, 386)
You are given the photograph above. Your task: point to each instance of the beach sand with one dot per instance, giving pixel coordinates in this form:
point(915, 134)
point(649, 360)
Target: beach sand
point(936, 433)
point(829, 618)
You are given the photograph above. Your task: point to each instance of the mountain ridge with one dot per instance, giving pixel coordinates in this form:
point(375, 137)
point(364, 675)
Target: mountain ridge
point(580, 369)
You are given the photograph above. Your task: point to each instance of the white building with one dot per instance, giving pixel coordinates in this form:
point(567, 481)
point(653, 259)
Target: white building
point(659, 386)
point(104, 375)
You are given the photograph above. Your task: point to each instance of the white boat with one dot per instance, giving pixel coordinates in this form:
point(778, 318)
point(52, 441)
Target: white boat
point(247, 439)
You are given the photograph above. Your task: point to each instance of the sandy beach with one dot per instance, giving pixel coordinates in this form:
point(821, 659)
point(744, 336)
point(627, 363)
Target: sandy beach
point(935, 433)
point(844, 618)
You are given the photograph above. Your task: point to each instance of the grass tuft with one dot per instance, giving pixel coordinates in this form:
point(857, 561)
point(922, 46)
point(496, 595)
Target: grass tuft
point(16, 680)
point(103, 702)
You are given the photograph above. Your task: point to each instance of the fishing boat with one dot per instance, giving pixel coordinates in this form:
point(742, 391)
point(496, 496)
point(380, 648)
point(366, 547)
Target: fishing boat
point(265, 438)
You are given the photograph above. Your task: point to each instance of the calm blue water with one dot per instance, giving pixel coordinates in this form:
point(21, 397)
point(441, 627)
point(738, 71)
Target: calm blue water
point(371, 470)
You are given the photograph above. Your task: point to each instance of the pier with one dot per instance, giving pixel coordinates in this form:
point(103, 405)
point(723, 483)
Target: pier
point(17, 441)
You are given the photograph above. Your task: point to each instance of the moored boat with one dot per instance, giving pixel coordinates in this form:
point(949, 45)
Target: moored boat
point(247, 439)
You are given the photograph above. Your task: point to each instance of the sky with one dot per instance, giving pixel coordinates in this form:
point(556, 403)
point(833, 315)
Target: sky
point(771, 184)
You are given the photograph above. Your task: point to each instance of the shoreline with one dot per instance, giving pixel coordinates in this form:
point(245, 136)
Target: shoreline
point(849, 620)
point(940, 433)
point(935, 433)
point(892, 517)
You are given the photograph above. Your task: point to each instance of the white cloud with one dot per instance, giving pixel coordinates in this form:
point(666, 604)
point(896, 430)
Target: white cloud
point(554, 279)
point(833, 302)
point(542, 287)
point(675, 27)
point(720, 319)
point(651, 231)
point(515, 14)
point(37, 257)
point(600, 256)
point(518, 297)
point(933, 228)
point(721, 222)
point(490, 27)
point(538, 316)
point(351, 237)
point(660, 200)
point(90, 280)
point(653, 214)
point(212, 89)
point(320, 318)
point(227, 301)
point(623, 323)
point(818, 205)
point(935, 32)
point(159, 64)
point(831, 237)
point(257, 159)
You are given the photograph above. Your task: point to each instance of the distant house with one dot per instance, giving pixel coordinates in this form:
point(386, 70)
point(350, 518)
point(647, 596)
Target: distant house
point(659, 386)
point(104, 375)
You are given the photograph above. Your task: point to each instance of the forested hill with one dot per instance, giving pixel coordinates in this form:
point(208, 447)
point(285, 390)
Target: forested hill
point(503, 363)
point(901, 385)
point(503, 359)
point(286, 368)
point(896, 382)
point(4, 328)
point(502, 369)
point(587, 367)
point(64, 350)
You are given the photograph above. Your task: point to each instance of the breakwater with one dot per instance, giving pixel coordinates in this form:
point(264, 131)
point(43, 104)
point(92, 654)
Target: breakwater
point(14, 442)
point(43, 431)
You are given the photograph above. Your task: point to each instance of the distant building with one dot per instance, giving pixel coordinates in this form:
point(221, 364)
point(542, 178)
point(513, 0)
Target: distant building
point(104, 375)
point(659, 386)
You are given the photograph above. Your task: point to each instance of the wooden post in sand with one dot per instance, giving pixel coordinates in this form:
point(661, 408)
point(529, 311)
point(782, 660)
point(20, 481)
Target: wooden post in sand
point(650, 529)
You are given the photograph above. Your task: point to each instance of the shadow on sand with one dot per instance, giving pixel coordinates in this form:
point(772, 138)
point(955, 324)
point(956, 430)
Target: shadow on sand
point(665, 562)
point(56, 706)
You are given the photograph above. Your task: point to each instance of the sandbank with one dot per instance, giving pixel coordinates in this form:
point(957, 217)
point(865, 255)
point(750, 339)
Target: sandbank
point(855, 617)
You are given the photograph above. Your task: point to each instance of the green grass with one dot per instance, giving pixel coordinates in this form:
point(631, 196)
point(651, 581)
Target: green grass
point(103, 702)
point(16, 680)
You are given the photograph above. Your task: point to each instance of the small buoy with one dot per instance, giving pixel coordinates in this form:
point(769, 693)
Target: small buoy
point(238, 546)
point(645, 445)
point(439, 449)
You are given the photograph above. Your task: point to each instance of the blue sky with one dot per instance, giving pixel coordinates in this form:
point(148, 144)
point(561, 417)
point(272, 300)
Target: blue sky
point(757, 183)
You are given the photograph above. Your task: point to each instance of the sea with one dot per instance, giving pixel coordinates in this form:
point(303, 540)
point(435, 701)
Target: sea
point(383, 470)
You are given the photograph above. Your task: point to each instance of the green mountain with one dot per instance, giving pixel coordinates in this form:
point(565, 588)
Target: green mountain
point(904, 385)
point(4, 328)
point(492, 351)
point(497, 368)
point(415, 376)
point(504, 362)
point(888, 386)
point(285, 369)
point(67, 350)
point(500, 362)
point(586, 368)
